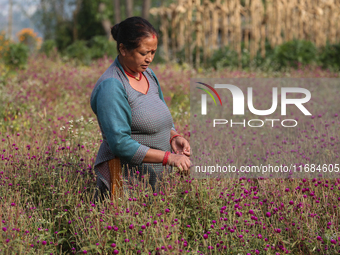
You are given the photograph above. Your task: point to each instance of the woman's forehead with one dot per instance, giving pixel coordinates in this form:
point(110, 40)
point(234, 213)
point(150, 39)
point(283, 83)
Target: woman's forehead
point(148, 43)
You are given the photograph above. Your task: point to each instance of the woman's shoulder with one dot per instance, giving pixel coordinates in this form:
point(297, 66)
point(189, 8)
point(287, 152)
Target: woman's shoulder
point(108, 90)
point(150, 71)
point(112, 76)
point(112, 71)
point(152, 74)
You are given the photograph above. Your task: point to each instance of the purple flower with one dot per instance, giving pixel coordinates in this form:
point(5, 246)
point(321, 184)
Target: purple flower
point(205, 236)
point(155, 222)
point(115, 251)
point(127, 240)
point(240, 236)
point(85, 251)
point(251, 211)
point(131, 226)
point(4, 229)
point(113, 245)
point(143, 227)
point(268, 214)
point(44, 242)
point(291, 202)
point(259, 236)
point(319, 238)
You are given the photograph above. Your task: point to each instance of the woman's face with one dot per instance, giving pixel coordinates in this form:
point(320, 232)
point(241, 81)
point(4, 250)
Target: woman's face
point(137, 60)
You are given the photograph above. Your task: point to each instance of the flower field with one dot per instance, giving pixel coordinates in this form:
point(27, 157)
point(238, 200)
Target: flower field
point(49, 139)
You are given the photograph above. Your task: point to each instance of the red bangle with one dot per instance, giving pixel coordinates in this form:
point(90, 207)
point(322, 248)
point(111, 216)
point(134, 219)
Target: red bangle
point(166, 156)
point(174, 137)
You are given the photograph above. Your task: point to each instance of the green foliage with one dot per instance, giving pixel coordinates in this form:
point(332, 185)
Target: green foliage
point(48, 46)
point(79, 51)
point(16, 56)
point(88, 23)
point(224, 57)
point(289, 54)
point(293, 52)
point(101, 46)
point(330, 56)
point(64, 35)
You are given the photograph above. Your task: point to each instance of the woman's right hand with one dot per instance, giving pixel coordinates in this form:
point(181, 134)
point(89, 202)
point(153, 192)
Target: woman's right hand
point(181, 161)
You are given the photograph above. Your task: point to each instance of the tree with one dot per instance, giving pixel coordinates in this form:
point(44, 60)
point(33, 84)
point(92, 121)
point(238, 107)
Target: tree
point(129, 8)
point(106, 23)
point(116, 11)
point(145, 9)
point(75, 20)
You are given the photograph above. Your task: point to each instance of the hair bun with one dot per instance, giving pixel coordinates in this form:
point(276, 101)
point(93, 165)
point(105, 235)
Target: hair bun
point(114, 31)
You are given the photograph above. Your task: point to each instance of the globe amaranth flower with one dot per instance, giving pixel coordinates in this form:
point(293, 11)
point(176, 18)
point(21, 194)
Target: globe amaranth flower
point(268, 214)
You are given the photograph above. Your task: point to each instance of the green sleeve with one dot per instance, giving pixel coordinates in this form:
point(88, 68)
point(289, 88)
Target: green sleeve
point(110, 104)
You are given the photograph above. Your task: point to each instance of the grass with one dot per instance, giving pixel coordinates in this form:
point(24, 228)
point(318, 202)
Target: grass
point(49, 140)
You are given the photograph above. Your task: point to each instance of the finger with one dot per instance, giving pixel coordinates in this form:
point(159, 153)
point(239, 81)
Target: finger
point(186, 153)
point(188, 165)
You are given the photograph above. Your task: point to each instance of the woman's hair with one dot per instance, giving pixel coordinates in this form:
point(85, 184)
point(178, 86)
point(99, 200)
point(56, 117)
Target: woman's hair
point(130, 32)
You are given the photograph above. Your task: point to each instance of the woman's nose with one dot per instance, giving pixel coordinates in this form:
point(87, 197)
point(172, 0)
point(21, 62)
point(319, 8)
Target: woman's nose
point(148, 58)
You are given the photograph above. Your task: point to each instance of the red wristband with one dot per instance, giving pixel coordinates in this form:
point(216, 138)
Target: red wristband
point(174, 137)
point(166, 156)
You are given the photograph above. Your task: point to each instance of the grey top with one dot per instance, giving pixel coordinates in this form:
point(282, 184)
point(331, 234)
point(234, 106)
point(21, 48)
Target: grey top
point(131, 122)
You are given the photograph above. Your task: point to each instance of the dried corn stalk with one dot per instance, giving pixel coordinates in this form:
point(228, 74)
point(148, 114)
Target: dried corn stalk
point(197, 24)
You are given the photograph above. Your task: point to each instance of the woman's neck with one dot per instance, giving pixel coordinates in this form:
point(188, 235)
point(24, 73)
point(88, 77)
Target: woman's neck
point(120, 59)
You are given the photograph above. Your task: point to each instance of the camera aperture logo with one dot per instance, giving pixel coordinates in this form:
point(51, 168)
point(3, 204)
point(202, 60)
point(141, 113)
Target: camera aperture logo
point(239, 101)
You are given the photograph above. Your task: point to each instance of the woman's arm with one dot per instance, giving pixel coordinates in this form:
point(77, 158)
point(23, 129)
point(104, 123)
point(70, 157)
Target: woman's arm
point(157, 156)
point(113, 111)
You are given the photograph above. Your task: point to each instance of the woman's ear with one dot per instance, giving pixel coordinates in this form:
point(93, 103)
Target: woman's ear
point(122, 49)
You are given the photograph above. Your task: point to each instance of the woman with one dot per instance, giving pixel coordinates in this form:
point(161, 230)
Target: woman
point(135, 122)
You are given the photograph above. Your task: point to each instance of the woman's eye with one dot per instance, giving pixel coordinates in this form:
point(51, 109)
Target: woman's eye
point(143, 54)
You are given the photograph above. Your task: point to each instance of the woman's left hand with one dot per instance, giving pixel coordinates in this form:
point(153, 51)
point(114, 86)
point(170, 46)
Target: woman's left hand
point(180, 146)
